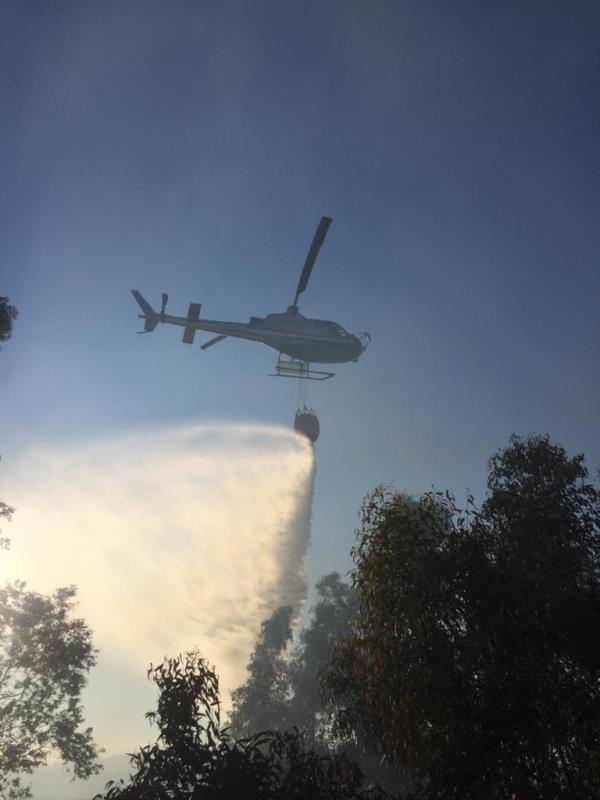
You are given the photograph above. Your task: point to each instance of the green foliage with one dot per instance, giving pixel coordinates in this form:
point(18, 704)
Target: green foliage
point(8, 315)
point(330, 621)
point(263, 701)
point(6, 512)
point(282, 690)
point(474, 663)
point(45, 655)
point(195, 757)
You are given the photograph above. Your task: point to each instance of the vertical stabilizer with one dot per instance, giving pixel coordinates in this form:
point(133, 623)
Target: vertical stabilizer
point(149, 315)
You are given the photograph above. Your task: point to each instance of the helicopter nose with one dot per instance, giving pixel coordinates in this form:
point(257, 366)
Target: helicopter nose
point(360, 342)
point(364, 338)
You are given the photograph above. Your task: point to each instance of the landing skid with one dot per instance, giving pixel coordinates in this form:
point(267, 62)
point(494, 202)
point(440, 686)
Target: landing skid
point(294, 368)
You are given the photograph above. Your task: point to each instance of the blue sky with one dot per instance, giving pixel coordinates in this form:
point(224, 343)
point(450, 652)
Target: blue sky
point(192, 147)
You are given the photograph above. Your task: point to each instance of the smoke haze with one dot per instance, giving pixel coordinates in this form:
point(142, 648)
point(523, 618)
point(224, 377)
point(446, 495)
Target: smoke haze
point(175, 538)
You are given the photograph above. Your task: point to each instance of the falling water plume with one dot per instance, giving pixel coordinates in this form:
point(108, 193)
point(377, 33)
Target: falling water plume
point(189, 536)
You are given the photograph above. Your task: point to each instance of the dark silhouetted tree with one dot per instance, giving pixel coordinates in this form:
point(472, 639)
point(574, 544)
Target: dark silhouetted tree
point(330, 621)
point(197, 759)
point(474, 663)
point(8, 315)
point(45, 655)
point(282, 690)
point(6, 513)
point(263, 701)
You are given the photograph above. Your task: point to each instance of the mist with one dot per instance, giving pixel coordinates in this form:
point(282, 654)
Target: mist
point(176, 538)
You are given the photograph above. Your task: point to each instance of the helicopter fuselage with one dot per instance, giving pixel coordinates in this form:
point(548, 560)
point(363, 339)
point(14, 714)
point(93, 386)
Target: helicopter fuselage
point(317, 341)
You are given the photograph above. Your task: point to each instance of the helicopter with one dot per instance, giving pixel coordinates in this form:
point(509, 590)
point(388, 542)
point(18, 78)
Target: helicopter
point(299, 341)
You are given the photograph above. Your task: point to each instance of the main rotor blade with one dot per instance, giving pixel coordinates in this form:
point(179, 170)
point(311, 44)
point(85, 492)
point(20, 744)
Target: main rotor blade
point(317, 241)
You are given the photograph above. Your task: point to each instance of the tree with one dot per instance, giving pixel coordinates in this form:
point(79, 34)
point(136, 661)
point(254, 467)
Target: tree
point(263, 701)
point(44, 658)
point(8, 315)
point(196, 758)
point(6, 512)
point(282, 690)
point(474, 663)
point(330, 621)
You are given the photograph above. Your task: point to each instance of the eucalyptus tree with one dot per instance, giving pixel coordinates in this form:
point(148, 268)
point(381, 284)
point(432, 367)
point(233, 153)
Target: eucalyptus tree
point(196, 757)
point(45, 655)
point(474, 660)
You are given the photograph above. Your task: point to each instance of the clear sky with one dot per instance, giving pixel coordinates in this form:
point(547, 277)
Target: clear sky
point(192, 147)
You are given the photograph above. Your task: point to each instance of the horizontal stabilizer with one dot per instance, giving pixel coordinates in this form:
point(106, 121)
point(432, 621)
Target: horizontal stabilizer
point(210, 342)
point(190, 330)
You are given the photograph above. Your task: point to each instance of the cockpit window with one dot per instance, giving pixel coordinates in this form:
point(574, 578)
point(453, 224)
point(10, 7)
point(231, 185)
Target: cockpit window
point(335, 329)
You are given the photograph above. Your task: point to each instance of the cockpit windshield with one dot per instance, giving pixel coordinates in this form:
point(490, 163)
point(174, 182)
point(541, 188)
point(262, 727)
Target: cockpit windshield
point(335, 330)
